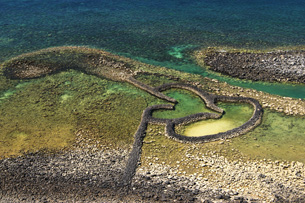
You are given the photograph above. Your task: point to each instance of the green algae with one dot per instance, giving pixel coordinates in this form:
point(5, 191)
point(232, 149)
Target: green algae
point(159, 149)
point(47, 112)
point(279, 137)
point(177, 51)
point(153, 80)
point(4, 41)
point(29, 139)
point(189, 103)
point(6, 84)
point(6, 94)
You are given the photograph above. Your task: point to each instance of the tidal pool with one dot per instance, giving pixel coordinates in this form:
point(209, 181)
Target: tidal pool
point(278, 137)
point(235, 116)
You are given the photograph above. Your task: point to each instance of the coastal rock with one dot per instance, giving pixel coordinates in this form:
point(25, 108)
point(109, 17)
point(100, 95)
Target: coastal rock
point(280, 66)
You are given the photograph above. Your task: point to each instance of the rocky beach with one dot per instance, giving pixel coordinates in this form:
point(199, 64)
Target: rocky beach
point(91, 173)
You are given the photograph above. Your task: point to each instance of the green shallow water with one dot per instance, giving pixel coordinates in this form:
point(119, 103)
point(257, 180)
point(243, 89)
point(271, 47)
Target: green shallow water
point(155, 32)
point(188, 103)
point(159, 32)
point(185, 65)
point(45, 113)
point(278, 137)
point(235, 116)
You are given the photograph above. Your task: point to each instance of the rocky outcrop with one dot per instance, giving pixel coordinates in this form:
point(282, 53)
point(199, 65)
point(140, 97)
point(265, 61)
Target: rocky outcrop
point(271, 66)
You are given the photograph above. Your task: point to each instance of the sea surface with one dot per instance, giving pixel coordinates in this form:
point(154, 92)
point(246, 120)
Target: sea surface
point(163, 33)
point(157, 32)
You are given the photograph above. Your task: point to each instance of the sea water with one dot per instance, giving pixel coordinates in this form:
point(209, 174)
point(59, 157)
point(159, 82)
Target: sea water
point(155, 31)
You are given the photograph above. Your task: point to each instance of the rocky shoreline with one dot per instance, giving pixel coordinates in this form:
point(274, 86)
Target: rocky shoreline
point(280, 66)
point(90, 173)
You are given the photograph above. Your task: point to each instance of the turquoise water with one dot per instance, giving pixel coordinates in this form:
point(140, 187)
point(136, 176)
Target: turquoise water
point(158, 31)
point(286, 90)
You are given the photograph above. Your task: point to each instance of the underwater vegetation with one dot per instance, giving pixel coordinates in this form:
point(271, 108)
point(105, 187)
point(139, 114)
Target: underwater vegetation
point(68, 115)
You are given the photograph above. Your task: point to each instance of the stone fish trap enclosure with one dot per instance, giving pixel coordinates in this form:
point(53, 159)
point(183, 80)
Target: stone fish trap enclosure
point(103, 64)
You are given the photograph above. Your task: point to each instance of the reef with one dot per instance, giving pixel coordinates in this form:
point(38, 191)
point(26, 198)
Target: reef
point(90, 61)
point(99, 63)
point(105, 65)
point(280, 66)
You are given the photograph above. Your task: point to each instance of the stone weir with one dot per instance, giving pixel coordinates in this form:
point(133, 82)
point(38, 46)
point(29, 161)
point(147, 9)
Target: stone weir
point(210, 101)
point(275, 66)
point(103, 64)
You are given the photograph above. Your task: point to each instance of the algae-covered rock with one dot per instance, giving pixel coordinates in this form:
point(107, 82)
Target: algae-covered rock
point(51, 60)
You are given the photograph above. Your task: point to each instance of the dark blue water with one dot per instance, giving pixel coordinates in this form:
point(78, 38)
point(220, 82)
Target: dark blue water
point(154, 30)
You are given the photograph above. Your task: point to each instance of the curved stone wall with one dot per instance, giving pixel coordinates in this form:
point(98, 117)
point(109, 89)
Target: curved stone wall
point(210, 100)
point(103, 64)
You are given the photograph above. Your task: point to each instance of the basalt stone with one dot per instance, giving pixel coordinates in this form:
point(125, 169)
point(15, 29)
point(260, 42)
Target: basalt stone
point(272, 66)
